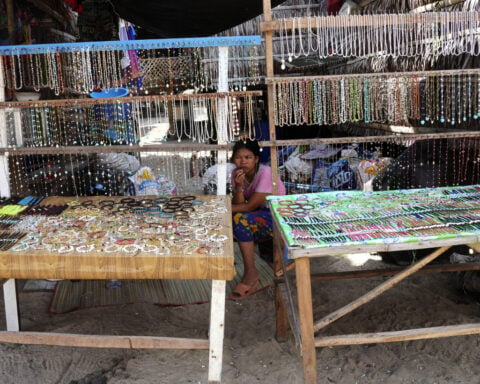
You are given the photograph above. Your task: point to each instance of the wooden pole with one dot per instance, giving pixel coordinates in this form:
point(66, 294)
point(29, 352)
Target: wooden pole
point(395, 336)
point(280, 310)
point(378, 290)
point(102, 341)
point(305, 311)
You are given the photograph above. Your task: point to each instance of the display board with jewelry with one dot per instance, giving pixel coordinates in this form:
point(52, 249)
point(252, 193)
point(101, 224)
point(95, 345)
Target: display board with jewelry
point(377, 221)
point(393, 34)
point(424, 97)
point(117, 237)
point(112, 121)
point(83, 67)
point(117, 125)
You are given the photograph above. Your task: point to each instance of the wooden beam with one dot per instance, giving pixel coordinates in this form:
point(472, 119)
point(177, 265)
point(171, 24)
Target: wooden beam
point(439, 268)
point(394, 336)
point(305, 313)
point(66, 22)
point(65, 36)
point(377, 290)
point(436, 5)
point(102, 341)
point(361, 20)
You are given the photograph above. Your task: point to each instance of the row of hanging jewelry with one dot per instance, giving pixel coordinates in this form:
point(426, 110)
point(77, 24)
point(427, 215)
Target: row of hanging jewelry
point(85, 70)
point(81, 173)
point(129, 121)
point(436, 33)
point(395, 98)
point(80, 71)
point(246, 67)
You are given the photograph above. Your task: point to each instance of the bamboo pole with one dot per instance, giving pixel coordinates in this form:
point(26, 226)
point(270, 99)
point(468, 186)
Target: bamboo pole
point(129, 99)
point(360, 20)
point(395, 336)
point(387, 75)
point(102, 341)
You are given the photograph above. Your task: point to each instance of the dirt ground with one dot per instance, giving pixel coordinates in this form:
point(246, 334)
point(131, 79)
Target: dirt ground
point(251, 353)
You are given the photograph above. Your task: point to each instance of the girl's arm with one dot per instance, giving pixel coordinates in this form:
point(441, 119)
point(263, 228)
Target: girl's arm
point(239, 204)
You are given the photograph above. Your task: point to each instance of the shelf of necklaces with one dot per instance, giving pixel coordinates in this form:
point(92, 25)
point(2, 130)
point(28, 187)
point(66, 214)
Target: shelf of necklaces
point(51, 141)
point(107, 123)
point(423, 98)
point(112, 121)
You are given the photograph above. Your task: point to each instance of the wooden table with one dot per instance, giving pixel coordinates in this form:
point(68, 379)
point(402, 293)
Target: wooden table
point(338, 223)
point(103, 256)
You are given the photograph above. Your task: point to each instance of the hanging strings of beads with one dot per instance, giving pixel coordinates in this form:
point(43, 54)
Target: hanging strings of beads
point(170, 73)
point(384, 162)
point(83, 174)
point(245, 67)
point(426, 97)
point(86, 69)
point(81, 71)
point(128, 120)
point(410, 34)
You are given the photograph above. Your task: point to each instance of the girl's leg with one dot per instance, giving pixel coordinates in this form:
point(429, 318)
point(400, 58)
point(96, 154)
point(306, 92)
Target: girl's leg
point(250, 273)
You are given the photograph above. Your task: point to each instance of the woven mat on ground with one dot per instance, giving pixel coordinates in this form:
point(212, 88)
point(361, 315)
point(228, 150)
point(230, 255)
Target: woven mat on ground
point(78, 294)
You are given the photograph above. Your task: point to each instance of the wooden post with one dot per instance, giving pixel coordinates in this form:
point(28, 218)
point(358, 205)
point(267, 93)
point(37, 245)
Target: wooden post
point(281, 315)
point(11, 306)
point(4, 169)
point(222, 113)
point(217, 327)
point(280, 310)
point(305, 310)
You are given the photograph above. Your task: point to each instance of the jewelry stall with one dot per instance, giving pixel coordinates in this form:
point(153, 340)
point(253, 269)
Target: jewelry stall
point(350, 222)
point(374, 96)
point(53, 227)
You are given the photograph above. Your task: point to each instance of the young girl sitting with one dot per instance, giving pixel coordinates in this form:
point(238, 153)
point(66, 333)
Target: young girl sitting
point(252, 222)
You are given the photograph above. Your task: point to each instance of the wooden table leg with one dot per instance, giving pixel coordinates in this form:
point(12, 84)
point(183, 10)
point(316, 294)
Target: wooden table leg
point(304, 290)
point(281, 316)
point(217, 326)
point(281, 334)
point(11, 307)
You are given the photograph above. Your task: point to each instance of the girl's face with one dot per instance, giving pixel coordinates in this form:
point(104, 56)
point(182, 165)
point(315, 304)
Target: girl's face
point(245, 159)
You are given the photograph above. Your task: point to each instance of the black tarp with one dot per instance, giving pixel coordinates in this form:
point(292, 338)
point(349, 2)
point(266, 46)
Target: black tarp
point(188, 18)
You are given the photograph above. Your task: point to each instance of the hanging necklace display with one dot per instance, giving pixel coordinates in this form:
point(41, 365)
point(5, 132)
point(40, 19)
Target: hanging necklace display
point(87, 121)
point(406, 34)
point(395, 98)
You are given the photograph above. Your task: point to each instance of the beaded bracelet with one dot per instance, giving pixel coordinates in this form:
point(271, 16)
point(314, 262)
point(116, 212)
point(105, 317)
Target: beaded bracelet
point(112, 248)
point(20, 247)
point(149, 248)
point(85, 248)
point(130, 248)
point(65, 249)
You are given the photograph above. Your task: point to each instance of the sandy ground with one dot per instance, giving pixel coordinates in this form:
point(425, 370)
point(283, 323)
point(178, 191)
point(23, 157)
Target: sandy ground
point(251, 353)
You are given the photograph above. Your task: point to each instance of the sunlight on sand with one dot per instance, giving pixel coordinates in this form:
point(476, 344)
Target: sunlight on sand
point(360, 259)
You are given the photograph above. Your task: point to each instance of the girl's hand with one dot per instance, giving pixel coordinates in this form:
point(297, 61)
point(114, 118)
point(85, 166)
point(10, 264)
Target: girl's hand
point(239, 176)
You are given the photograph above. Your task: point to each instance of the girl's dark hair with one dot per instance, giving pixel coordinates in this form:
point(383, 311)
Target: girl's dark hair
point(251, 145)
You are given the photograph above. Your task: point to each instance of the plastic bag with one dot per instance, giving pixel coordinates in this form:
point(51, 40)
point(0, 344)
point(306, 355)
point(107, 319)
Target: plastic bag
point(144, 183)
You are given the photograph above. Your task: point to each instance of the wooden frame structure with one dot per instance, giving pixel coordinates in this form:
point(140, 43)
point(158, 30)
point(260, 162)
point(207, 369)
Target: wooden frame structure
point(300, 315)
point(41, 264)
